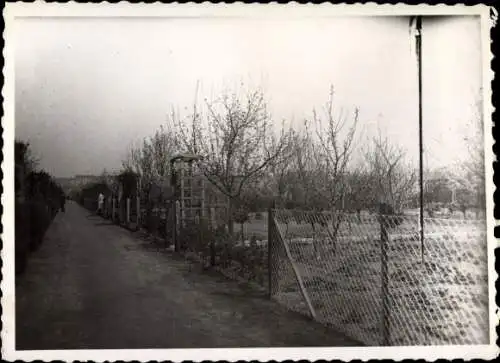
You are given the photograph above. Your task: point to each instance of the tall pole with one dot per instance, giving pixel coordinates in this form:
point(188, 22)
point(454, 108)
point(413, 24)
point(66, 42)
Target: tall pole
point(420, 139)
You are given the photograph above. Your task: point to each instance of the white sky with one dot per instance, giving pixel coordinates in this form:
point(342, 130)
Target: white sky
point(86, 87)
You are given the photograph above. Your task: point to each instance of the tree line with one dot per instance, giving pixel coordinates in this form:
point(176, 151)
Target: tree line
point(38, 198)
point(326, 164)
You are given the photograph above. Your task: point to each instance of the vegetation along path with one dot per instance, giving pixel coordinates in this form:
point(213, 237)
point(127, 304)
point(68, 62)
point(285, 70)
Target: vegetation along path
point(95, 285)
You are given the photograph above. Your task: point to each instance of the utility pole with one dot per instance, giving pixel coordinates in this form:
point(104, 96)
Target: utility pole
point(420, 127)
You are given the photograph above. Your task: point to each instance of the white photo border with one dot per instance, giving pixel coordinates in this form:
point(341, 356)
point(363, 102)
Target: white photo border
point(291, 10)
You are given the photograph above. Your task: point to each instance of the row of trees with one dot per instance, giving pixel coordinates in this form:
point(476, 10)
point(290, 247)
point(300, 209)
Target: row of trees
point(326, 165)
point(37, 199)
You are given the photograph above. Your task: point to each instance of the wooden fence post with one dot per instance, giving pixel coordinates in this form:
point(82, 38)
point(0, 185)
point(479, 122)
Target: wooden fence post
point(176, 226)
point(298, 276)
point(138, 208)
point(127, 216)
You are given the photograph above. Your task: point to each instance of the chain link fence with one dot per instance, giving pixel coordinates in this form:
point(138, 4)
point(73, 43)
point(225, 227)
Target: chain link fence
point(366, 275)
point(371, 277)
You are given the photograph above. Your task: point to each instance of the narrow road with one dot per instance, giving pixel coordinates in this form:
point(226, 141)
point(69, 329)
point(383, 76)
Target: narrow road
point(93, 285)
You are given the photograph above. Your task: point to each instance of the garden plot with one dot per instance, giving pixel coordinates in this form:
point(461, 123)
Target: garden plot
point(441, 301)
point(344, 286)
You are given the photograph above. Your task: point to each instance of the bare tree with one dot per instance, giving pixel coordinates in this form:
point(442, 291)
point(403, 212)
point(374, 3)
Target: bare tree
point(321, 159)
point(469, 174)
point(360, 192)
point(235, 141)
point(393, 178)
point(279, 178)
point(151, 159)
point(133, 159)
point(336, 135)
point(305, 177)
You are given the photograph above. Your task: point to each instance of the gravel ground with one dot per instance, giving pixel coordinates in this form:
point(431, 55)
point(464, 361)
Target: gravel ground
point(93, 285)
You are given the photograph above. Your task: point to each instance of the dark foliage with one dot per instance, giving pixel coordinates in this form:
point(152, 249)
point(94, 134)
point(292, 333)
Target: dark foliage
point(217, 249)
point(38, 199)
point(128, 179)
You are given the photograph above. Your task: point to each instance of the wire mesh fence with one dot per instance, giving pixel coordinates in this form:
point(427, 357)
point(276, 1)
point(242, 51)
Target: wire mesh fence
point(367, 275)
point(372, 278)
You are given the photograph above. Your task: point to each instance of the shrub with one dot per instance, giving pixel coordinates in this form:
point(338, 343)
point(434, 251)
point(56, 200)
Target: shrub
point(22, 236)
point(37, 200)
point(218, 249)
point(241, 216)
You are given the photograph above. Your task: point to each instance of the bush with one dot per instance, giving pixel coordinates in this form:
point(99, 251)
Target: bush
point(37, 201)
point(22, 236)
point(32, 220)
point(241, 216)
point(217, 248)
point(196, 237)
point(40, 219)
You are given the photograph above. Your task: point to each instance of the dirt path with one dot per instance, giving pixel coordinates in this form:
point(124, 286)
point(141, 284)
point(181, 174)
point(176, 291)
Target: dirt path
point(95, 285)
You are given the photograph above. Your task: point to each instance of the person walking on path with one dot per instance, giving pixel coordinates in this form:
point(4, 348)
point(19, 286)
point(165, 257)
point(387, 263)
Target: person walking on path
point(63, 201)
point(100, 203)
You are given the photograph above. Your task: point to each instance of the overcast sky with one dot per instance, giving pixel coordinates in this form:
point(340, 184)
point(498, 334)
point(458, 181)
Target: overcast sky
point(86, 87)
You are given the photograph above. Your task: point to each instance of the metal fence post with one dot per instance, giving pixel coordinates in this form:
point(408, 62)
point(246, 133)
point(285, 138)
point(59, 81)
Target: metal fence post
point(269, 251)
point(384, 241)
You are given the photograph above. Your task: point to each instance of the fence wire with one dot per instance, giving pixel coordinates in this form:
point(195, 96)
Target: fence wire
point(369, 277)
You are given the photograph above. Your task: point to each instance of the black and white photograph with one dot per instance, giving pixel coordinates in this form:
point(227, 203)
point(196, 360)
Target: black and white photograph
point(208, 182)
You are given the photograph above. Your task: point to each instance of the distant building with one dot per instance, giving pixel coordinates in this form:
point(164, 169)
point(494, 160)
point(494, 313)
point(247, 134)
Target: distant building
point(76, 182)
point(81, 180)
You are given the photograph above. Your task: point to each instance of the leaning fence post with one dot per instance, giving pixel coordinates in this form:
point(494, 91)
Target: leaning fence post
point(384, 241)
point(269, 250)
point(294, 266)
